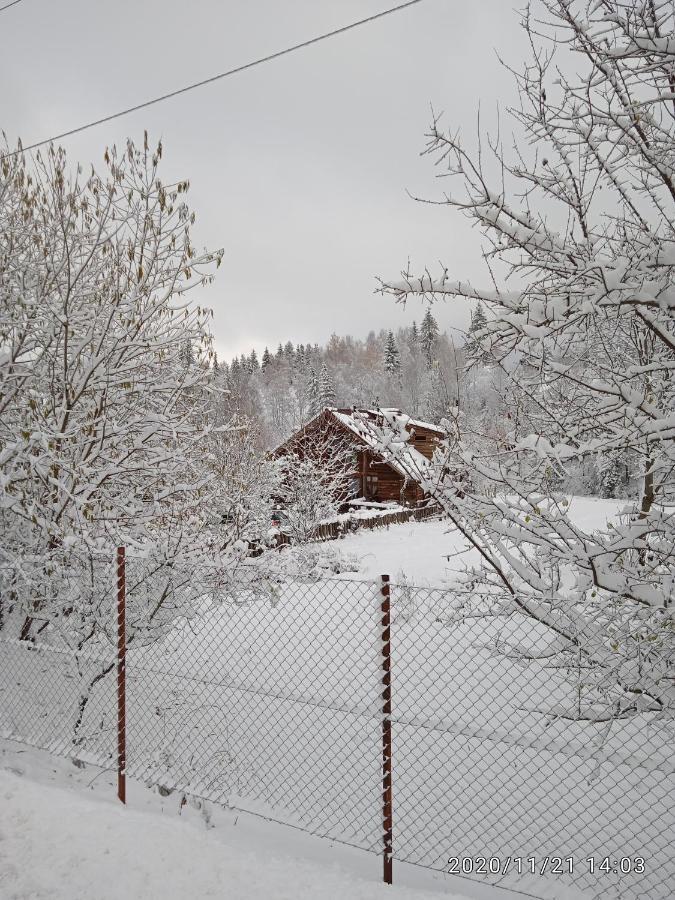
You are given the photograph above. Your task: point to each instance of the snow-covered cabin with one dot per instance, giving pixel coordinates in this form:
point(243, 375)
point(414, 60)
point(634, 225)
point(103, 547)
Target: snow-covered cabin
point(378, 475)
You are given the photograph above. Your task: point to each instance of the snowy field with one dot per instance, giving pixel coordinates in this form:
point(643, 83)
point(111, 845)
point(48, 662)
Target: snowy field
point(419, 551)
point(274, 708)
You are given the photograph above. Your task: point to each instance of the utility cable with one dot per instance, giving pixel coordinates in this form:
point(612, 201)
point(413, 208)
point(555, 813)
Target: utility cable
point(205, 81)
point(7, 5)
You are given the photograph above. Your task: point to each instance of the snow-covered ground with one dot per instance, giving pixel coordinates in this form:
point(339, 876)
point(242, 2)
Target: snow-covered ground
point(60, 845)
point(64, 836)
point(272, 707)
point(426, 552)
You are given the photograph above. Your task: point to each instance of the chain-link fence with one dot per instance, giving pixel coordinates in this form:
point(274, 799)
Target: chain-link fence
point(512, 765)
point(506, 767)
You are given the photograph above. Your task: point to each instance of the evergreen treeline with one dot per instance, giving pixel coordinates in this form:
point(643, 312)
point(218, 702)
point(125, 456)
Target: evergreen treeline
point(415, 368)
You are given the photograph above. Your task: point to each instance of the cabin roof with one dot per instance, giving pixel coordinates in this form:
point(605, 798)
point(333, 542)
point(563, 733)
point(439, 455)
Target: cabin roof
point(408, 461)
point(394, 415)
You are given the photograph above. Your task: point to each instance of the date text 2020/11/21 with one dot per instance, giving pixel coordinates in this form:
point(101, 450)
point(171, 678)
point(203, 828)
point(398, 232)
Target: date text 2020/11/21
point(544, 865)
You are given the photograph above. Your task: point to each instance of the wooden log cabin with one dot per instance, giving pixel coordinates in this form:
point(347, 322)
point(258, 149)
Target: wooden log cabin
point(375, 477)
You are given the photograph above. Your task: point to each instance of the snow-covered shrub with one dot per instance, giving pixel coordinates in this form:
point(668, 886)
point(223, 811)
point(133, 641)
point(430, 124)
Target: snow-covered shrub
point(307, 562)
point(315, 475)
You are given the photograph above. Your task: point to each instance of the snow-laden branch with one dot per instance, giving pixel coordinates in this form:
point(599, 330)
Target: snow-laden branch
point(586, 347)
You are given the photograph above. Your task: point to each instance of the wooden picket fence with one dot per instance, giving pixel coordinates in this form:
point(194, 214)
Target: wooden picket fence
point(331, 531)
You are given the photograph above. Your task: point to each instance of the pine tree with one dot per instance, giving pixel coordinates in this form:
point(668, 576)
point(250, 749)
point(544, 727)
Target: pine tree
point(414, 337)
point(280, 352)
point(473, 347)
point(612, 475)
point(478, 319)
point(216, 365)
point(312, 393)
point(428, 336)
point(289, 353)
point(253, 361)
point(392, 358)
point(326, 388)
point(266, 359)
point(437, 401)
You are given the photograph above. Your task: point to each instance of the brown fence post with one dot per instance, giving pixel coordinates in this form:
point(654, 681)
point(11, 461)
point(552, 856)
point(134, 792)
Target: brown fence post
point(387, 806)
point(121, 677)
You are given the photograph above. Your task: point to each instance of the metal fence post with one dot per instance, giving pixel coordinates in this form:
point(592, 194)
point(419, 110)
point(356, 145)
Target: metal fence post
point(121, 677)
point(387, 807)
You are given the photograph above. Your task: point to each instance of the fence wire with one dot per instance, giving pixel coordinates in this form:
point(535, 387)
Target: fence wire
point(57, 687)
point(268, 705)
point(507, 768)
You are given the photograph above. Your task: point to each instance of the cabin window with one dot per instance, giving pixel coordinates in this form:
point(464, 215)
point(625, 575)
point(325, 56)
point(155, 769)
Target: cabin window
point(371, 485)
point(420, 439)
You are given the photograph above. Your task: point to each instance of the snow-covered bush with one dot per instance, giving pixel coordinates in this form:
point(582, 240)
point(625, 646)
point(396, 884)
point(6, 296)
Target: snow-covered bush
point(315, 476)
point(306, 562)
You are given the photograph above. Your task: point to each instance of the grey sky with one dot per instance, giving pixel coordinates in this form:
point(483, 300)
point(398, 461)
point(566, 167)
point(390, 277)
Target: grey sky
point(298, 168)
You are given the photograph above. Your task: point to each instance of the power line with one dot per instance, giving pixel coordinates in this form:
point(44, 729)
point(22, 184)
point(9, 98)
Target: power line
point(235, 71)
point(7, 5)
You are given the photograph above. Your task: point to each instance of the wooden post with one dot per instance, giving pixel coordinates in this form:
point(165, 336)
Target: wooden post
point(387, 807)
point(121, 677)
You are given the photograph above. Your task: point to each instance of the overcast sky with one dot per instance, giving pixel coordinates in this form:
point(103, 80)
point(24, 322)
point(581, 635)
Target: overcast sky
point(299, 168)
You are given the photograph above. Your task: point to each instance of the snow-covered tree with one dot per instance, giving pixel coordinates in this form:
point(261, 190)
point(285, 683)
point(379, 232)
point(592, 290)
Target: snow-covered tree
point(613, 480)
point(438, 401)
point(472, 348)
point(392, 358)
point(315, 479)
point(414, 337)
point(279, 404)
point(266, 358)
point(326, 388)
point(106, 398)
point(312, 394)
point(187, 353)
point(280, 408)
point(289, 353)
point(428, 337)
point(585, 224)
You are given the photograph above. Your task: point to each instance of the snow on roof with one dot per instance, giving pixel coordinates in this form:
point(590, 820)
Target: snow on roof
point(416, 423)
point(389, 412)
point(406, 459)
point(396, 414)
